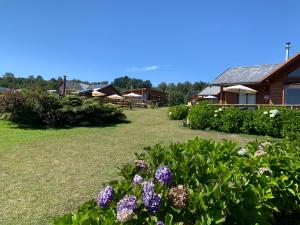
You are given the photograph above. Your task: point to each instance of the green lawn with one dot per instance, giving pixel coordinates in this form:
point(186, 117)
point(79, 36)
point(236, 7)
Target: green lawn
point(44, 173)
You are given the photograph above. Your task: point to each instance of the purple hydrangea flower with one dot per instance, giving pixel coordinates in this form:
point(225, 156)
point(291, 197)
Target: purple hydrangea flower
point(124, 215)
point(128, 202)
point(164, 175)
point(160, 223)
point(105, 196)
point(148, 186)
point(152, 201)
point(137, 179)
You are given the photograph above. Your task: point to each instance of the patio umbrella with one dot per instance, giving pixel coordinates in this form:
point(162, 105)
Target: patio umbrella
point(132, 95)
point(115, 96)
point(240, 89)
point(97, 94)
point(210, 97)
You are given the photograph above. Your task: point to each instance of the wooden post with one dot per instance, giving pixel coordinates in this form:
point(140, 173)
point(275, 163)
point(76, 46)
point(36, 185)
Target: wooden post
point(221, 95)
point(64, 86)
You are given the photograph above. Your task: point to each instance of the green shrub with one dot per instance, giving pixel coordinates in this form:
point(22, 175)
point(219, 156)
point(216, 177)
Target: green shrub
point(178, 112)
point(200, 116)
point(248, 126)
point(268, 123)
point(220, 184)
point(38, 108)
point(232, 120)
point(290, 124)
point(264, 121)
point(216, 121)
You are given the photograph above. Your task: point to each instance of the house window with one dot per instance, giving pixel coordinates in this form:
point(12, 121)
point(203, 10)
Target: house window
point(292, 94)
point(295, 73)
point(247, 99)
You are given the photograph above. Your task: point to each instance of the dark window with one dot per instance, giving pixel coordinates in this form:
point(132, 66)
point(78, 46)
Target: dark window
point(295, 73)
point(292, 94)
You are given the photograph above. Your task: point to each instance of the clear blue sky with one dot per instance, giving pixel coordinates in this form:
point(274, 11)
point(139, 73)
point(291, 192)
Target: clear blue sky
point(159, 40)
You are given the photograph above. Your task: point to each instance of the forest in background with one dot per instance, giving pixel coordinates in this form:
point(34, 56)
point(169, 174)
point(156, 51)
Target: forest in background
point(179, 93)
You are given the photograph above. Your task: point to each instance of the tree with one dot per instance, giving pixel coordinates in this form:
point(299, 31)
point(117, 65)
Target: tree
point(126, 83)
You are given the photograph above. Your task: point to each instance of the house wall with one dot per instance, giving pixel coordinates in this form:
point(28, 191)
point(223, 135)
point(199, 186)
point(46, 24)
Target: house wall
point(278, 82)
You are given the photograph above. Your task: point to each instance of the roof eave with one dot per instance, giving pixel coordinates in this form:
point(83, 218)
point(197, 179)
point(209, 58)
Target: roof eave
point(229, 84)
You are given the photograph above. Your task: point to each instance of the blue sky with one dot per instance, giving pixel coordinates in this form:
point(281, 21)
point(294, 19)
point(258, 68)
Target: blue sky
point(159, 40)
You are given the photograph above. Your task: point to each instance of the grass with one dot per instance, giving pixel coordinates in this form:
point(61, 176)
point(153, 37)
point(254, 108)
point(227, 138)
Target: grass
point(44, 173)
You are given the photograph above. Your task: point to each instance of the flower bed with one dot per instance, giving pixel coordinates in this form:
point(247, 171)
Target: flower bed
point(201, 182)
point(264, 121)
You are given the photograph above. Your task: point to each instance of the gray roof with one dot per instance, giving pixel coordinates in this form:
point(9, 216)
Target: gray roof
point(244, 75)
point(97, 86)
point(210, 90)
point(76, 86)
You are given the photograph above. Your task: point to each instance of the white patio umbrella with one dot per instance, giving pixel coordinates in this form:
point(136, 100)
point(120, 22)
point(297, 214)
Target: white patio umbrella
point(210, 97)
point(133, 95)
point(115, 96)
point(97, 94)
point(240, 89)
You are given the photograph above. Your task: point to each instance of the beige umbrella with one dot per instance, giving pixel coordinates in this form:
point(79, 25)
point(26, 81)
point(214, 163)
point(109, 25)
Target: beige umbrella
point(115, 96)
point(210, 97)
point(97, 94)
point(133, 95)
point(240, 89)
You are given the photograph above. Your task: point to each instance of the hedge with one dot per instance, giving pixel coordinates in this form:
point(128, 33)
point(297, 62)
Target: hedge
point(264, 121)
point(201, 182)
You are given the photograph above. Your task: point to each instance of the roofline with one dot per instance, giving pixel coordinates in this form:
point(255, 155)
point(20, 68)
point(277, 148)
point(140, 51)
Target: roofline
point(242, 83)
point(284, 65)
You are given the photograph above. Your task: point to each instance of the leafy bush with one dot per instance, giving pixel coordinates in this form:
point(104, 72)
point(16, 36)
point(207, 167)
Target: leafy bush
point(232, 120)
point(291, 124)
point(34, 107)
point(264, 121)
point(178, 112)
point(268, 122)
point(248, 126)
point(201, 182)
point(200, 116)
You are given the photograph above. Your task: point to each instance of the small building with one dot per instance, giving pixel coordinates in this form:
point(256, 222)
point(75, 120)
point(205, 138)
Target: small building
point(72, 87)
point(87, 89)
point(273, 83)
point(150, 94)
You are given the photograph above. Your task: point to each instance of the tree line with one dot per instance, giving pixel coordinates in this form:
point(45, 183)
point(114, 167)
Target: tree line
point(179, 93)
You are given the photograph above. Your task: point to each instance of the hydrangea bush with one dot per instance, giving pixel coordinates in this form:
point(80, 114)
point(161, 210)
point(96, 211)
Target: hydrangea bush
point(201, 182)
point(178, 112)
point(264, 121)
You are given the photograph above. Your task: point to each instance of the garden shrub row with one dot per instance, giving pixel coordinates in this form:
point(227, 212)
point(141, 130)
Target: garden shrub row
point(178, 112)
point(273, 122)
point(201, 182)
point(38, 108)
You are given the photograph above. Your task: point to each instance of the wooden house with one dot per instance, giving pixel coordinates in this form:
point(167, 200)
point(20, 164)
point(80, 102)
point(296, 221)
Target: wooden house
point(274, 83)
